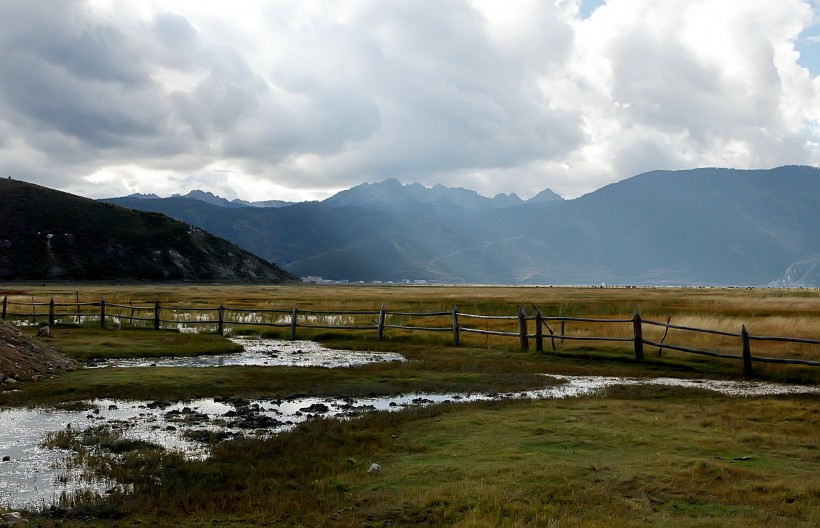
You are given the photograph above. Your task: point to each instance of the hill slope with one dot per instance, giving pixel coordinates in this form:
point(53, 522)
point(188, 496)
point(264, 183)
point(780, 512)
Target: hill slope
point(704, 226)
point(336, 242)
point(47, 234)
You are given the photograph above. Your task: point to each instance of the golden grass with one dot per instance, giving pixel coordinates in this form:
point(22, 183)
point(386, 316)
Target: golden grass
point(631, 457)
point(552, 300)
point(764, 312)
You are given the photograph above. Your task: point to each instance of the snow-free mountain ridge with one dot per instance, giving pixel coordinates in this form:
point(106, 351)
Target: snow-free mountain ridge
point(694, 227)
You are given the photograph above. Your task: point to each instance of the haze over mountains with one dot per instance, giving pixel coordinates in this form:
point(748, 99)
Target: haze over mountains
point(213, 199)
point(415, 198)
point(695, 227)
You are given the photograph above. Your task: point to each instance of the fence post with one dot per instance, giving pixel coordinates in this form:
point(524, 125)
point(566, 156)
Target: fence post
point(539, 333)
point(220, 328)
point(293, 324)
point(131, 317)
point(455, 325)
point(522, 329)
point(51, 313)
point(638, 334)
point(380, 331)
point(748, 372)
point(102, 312)
point(156, 315)
point(5, 305)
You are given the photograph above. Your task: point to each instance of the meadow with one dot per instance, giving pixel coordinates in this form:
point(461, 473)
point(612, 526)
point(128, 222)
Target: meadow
point(629, 456)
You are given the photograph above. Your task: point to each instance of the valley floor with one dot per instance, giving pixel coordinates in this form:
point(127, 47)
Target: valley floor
point(629, 455)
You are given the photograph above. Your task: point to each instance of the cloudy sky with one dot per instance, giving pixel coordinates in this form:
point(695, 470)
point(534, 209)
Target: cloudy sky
point(298, 99)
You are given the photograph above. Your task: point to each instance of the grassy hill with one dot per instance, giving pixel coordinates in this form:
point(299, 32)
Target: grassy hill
point(47, 234)
point(335, 242)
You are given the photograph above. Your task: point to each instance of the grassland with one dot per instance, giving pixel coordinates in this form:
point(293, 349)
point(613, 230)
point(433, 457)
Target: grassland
point(632, 456)
point(97, 343)
point(764, 312)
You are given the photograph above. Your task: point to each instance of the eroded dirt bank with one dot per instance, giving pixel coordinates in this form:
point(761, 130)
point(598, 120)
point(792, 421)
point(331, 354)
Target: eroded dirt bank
point(23, 357)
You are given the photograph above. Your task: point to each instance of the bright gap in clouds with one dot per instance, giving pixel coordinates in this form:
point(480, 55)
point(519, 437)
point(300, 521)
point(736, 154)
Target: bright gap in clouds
point(587, 7)
point(808, 45)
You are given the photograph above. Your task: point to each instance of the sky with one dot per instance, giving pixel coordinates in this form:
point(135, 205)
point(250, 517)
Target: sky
point(296, 100)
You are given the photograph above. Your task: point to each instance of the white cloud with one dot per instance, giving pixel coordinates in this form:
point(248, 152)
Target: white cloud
point(288, 99)
point(680, 84)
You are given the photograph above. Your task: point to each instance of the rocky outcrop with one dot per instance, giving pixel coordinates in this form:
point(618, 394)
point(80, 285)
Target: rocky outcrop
point(12, 519)
point(803, 274)
point(24, 358)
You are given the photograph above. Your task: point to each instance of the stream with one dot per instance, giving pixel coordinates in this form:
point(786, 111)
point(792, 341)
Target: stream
point(265, 352)
point(34, 477)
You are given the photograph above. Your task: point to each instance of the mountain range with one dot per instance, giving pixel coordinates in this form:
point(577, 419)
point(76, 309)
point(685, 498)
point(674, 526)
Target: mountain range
point(213, 199)
point(695, 227)
point(414, 198)
point(51, 235)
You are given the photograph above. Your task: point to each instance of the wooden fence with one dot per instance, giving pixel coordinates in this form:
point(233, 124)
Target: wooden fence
point(151, 314)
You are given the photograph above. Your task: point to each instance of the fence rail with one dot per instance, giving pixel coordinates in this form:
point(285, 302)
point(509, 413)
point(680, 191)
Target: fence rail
point(294, 318)
point(693, 329)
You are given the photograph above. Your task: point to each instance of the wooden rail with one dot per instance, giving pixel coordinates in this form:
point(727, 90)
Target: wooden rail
point(295, 318)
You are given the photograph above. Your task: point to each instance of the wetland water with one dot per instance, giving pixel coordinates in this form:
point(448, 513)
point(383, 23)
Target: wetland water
point(265, 352)
point(35, 477)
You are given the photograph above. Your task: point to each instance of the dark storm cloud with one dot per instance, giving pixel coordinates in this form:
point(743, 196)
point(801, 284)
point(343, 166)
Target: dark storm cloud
point(65, 74)
point(324, 95)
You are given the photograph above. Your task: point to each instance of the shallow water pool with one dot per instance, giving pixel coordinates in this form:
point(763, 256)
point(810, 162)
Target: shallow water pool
point(265, 352)
point(34, 477)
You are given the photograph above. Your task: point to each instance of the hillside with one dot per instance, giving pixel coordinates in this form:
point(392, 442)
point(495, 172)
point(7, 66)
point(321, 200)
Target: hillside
point(23, 357)
point(351, 243)
point(51, 235)
point(703, 226)
point(696, 227)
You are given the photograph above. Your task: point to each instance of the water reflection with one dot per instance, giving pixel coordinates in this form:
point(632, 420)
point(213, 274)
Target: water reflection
point(265, 352)
point(34, 476)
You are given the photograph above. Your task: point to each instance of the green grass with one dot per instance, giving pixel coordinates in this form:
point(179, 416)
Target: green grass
point(461, 374)
point(431, 367)
point(89, 343)
point(650, 456)
point(633, 456)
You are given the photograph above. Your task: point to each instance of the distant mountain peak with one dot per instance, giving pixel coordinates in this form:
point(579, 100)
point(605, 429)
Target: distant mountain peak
point(140, 196)
point(506, 200)
point(415, 197)
point(197, 193)
point(547, 195)
point(207, 197)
